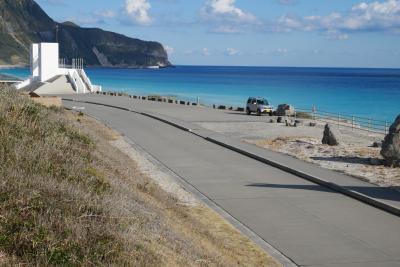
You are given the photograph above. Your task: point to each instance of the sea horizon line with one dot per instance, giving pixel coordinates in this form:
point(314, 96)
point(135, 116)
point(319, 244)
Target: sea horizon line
point(223, 66)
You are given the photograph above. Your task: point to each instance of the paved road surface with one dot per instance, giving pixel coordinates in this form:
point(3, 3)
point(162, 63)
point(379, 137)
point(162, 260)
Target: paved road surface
point(187, 116)
point(308, 223)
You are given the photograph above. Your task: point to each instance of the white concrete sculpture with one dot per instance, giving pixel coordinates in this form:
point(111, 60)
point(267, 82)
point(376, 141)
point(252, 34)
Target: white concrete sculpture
point(48, 77)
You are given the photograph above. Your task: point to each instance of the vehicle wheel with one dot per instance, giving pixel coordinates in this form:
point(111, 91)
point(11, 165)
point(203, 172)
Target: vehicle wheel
point(248, 111)
point(258, 112)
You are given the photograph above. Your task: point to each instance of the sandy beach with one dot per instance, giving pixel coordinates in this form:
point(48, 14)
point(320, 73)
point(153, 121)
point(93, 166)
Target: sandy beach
point(354, 156)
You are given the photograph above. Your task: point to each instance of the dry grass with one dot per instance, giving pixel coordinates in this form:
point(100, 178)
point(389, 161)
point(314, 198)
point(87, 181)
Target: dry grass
point(48, 101)
point(48, 190)
point(67, 197)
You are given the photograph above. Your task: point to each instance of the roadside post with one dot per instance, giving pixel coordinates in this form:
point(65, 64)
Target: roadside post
point(314, 111)
point(386, 127)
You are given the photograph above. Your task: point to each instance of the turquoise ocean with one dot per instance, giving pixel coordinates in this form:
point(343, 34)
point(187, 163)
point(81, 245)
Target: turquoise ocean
point(373, 93)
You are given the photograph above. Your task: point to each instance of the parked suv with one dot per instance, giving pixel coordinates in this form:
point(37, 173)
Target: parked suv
point(258, 105)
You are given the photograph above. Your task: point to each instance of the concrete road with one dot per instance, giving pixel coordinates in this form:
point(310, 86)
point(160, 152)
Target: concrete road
point(189, 116)
point(308, 223)
point(182, 112)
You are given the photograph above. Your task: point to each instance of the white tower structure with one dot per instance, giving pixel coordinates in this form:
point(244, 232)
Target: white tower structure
point(48, 77)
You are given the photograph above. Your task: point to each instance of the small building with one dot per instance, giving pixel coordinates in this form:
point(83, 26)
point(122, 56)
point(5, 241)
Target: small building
point(50, 75)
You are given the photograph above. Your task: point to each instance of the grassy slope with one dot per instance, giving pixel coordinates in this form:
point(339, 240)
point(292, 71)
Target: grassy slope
point(47, 187)
point(70, 199)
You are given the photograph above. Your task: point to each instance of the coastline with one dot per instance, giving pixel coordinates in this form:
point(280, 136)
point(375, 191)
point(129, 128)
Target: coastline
point(6, 77)
point(333, 90)
point(13, 66)
point(21, 66)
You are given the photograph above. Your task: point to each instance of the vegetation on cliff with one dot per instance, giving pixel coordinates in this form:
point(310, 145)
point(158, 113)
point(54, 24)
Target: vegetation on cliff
point(23, 22)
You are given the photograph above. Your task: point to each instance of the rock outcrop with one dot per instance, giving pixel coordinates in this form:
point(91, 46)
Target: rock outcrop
point(329, 137)
point(391, 145)
point(23, 22)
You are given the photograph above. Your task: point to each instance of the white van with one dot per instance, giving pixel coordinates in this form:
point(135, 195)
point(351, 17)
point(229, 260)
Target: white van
point(259, 106)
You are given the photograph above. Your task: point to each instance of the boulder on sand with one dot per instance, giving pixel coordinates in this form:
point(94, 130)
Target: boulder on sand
point(329, 137)
point(391, 145)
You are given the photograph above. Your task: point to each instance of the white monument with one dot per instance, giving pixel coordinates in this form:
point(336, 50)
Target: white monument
point(48, 76)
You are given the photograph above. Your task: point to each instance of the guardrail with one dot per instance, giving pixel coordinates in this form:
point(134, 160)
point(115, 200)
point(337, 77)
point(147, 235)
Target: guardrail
point(76, 63)
point(347, 121)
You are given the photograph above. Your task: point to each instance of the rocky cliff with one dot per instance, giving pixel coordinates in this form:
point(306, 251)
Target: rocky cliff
point(23, 22)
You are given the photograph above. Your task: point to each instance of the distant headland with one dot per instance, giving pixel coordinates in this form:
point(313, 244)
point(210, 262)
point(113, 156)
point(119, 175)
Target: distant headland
point(27, 23)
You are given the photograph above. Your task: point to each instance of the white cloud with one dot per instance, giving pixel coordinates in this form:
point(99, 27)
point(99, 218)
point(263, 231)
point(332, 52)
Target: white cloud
point(282, 51)
point(336, 35)
point(189, 52)
point(227, 29)
point(228, 8)
point(288, 23)
point(232, 51)
point(205, 52)
point(373, 16)
point(376, 16)
point(223, 16)
point(138, 11)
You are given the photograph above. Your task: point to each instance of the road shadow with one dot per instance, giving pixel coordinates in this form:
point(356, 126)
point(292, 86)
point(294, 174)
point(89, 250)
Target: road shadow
point(379, 192)
point(242, 113)
point(237, 113)
point(354, 160)
point(292, 186)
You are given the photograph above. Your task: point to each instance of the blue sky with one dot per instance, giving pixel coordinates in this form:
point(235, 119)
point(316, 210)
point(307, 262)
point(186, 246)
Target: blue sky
point(334, 33)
